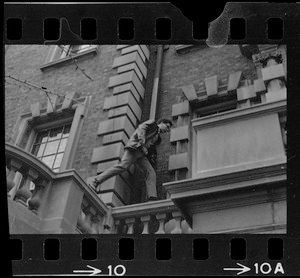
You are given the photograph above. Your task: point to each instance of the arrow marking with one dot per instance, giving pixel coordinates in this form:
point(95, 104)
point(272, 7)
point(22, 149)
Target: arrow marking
point(242, 270)
point(93, 271)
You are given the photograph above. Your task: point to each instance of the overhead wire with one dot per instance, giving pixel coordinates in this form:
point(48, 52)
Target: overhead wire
point(28, 84)
point(19, 97)
point(45, 90)
point(75, 62)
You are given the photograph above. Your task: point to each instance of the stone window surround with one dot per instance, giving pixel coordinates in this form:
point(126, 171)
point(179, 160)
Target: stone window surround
point(48, 147)
point(74, 115)
point(67, 59)
point(216, 108)
point(234, 115)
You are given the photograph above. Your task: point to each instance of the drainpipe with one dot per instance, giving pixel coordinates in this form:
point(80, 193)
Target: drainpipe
point(160, 50)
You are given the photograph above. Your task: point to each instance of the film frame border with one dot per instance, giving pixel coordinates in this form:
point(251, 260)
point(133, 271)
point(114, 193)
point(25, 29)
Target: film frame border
point(179, 36)
point(70, 255)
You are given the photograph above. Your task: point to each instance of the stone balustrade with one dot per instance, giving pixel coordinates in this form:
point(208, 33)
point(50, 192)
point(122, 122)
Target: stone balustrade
point(41, 201)
point(159, 217)
point(90, 220)
point(26, 177)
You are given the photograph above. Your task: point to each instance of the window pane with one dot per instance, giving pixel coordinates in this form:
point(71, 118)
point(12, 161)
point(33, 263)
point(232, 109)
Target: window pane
point(75, 48)
point(51, 147)
point(41, 137)
point(80, 48)
point(55, 133)
point(84, 47)
point(63, 51)
point(58, 160)
point(62, 145)
point(66, 131)
point(49, 160)
point(37, 150)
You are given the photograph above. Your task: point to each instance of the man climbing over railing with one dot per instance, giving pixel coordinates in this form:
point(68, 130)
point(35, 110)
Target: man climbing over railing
point(136, 150)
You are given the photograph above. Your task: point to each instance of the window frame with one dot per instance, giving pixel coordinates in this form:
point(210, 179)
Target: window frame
point(75, 116)
point(216, 108)
point(50, 62)
point(238, 114)
point(51, 125)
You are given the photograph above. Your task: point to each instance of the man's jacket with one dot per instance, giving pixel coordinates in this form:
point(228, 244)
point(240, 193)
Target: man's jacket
point(146, 132)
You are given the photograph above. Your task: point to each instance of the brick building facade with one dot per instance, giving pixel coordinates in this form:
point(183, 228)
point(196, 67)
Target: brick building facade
point(106, 91)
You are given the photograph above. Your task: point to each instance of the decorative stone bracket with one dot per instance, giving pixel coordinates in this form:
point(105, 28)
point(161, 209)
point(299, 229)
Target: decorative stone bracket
point(53, 104)
point(244, 91)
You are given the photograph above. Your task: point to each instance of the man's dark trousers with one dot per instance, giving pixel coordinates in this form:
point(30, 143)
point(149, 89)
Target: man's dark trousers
point(131, 156)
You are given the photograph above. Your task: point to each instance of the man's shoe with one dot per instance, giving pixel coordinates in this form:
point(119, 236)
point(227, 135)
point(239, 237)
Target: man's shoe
point(93, 185)
point(151, 199)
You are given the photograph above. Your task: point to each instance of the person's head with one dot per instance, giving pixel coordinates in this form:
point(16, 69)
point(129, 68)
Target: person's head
point(164, 125)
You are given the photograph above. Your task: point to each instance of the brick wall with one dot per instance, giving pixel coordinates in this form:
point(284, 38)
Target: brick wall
point(179, 69)
point(24, 61)
point(191, 67)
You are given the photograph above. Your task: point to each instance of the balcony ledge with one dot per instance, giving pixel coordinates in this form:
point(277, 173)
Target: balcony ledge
point(32, 162)
point(161, 206)
point(195, 187)
point(228, 190)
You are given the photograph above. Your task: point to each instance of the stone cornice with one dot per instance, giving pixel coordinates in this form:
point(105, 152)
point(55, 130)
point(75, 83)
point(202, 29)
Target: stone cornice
point(149, 208)
point(229, 200)
point(227, 182)
point(255, 230)
point(43, 110)
point(239, 114)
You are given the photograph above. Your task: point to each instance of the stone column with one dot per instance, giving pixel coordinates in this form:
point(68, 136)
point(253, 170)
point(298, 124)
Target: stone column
point(124, 114)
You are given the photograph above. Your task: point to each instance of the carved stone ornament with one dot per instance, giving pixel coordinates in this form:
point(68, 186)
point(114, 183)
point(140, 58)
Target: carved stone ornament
point(262, 59)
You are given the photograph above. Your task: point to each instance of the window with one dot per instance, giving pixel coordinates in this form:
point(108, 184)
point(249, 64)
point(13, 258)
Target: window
point(52, 137)
point(71, 50)
point(239, 140)
point(60, 54)
point(80, 48)
point(216, 108)
point(50, 144)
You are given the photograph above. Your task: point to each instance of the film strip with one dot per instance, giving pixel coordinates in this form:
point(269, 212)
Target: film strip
point(176, 235)
point(115, 256)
